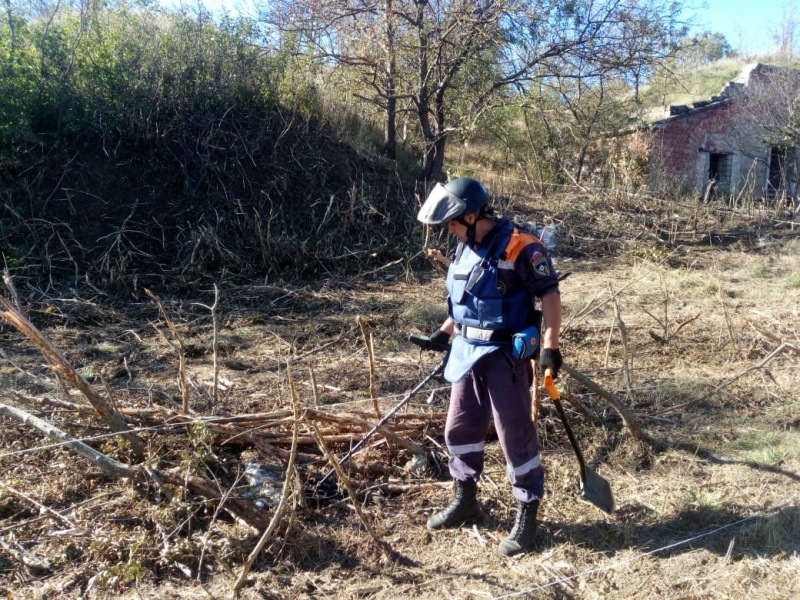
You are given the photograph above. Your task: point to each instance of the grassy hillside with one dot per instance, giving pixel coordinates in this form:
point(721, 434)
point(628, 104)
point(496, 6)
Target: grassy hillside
point(688, 85)
point(147, 150)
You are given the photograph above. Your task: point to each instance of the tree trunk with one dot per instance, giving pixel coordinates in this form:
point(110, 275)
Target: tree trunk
point(433, 160)
point(390, 127)
point(581, 164)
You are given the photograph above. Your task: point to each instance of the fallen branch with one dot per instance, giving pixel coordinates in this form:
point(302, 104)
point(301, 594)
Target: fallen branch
point(25, 558)
point(616, 403)
point(775, 338)
point(60, 365)
point(385, 431)
point(109, 465)
point(241, 508)
point(42, 508)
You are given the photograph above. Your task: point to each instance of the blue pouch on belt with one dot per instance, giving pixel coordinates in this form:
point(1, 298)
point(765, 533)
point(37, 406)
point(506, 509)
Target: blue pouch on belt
point(524, 343)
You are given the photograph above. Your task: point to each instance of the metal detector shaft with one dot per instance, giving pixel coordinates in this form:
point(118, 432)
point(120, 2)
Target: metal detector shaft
point(439, 368)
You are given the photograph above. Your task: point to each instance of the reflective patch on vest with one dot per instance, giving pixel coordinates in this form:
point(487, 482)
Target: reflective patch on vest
point(462, 449)
point(539, 263)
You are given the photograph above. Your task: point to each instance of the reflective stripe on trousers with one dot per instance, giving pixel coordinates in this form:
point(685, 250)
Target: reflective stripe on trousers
point(526, 468)
point(466, 448)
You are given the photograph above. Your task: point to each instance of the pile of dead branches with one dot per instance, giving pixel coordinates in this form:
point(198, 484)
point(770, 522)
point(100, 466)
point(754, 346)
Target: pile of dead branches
point(309, 433)
point(172, 454)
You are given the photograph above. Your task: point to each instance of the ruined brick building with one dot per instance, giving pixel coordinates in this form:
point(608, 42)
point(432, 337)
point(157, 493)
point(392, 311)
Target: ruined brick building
point(730, 145)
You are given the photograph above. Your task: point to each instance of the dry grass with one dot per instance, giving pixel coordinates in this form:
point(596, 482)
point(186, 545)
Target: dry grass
point(710, 508)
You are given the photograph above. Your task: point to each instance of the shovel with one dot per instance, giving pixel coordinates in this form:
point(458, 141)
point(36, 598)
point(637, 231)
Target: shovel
point(594, 488)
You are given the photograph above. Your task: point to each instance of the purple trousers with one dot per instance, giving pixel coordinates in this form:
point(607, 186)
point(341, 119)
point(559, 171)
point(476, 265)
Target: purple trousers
point(497, 387)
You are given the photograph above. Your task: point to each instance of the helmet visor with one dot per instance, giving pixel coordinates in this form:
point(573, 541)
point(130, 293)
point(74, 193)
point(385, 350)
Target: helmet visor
point(441, 206)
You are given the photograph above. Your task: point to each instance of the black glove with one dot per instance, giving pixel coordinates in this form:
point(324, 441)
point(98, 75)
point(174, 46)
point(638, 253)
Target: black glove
point(550, 358)
point(438, 340)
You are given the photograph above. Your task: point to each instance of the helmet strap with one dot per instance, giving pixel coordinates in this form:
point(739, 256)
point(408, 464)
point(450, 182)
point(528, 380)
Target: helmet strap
point(471, 233)
point(470, 229)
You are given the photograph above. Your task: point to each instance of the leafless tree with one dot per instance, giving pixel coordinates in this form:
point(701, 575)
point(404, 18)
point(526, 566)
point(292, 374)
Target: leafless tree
point(786, 32)
point(448, 62)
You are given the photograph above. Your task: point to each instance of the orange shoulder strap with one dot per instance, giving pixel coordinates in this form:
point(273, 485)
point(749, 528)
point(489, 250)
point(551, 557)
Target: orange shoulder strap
point(519, 239)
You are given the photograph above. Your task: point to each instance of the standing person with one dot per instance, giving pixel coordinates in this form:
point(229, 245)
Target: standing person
point(493, 282)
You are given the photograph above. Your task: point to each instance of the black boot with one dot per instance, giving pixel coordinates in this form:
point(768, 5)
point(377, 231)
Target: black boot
point(521, 536)
point(463, 509)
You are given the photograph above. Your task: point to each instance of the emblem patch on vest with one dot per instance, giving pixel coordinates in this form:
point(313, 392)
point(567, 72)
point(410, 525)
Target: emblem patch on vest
point(501, 286)
point(539, 262)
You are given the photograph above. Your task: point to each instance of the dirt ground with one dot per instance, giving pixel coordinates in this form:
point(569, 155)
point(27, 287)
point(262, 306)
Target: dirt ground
point(700, 341)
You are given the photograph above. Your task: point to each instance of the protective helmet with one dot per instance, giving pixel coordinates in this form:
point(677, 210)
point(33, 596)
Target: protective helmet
point(452, 200)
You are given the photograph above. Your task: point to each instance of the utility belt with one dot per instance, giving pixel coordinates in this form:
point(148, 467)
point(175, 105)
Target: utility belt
point(524, 344)
point(483, 335)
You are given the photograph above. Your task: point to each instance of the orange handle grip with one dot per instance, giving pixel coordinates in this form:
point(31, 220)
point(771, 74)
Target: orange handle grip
point(550, 386)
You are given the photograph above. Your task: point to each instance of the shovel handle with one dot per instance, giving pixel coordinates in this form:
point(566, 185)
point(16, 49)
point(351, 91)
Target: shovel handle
point(593, 487)
point(552, 391)
point(550, 386)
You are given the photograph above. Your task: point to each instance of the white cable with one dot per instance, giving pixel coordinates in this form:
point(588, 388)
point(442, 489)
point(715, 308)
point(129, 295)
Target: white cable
point(644, 554)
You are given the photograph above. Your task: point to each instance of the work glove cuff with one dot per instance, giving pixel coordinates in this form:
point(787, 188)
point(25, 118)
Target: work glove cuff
point(550, 358)
point(439, 338)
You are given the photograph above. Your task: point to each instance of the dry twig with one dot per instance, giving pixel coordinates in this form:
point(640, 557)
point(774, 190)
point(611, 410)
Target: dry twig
point(343, 479)
point(287, 486)
point(623, 333)
point(177, 345)
point(214, 342)
point(61, 366)
point(366, 333)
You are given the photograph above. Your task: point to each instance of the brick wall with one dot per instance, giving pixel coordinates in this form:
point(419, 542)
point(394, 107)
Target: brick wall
point(684, 144)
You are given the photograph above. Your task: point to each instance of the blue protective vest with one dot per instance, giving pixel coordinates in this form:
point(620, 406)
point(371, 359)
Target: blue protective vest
point(474, 296)
point(476, 300)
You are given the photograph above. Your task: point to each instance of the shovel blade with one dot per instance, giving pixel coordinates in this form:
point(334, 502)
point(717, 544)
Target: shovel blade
point(595, 489)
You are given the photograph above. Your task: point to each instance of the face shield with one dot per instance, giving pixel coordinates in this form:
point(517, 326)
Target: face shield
point(441, 206)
